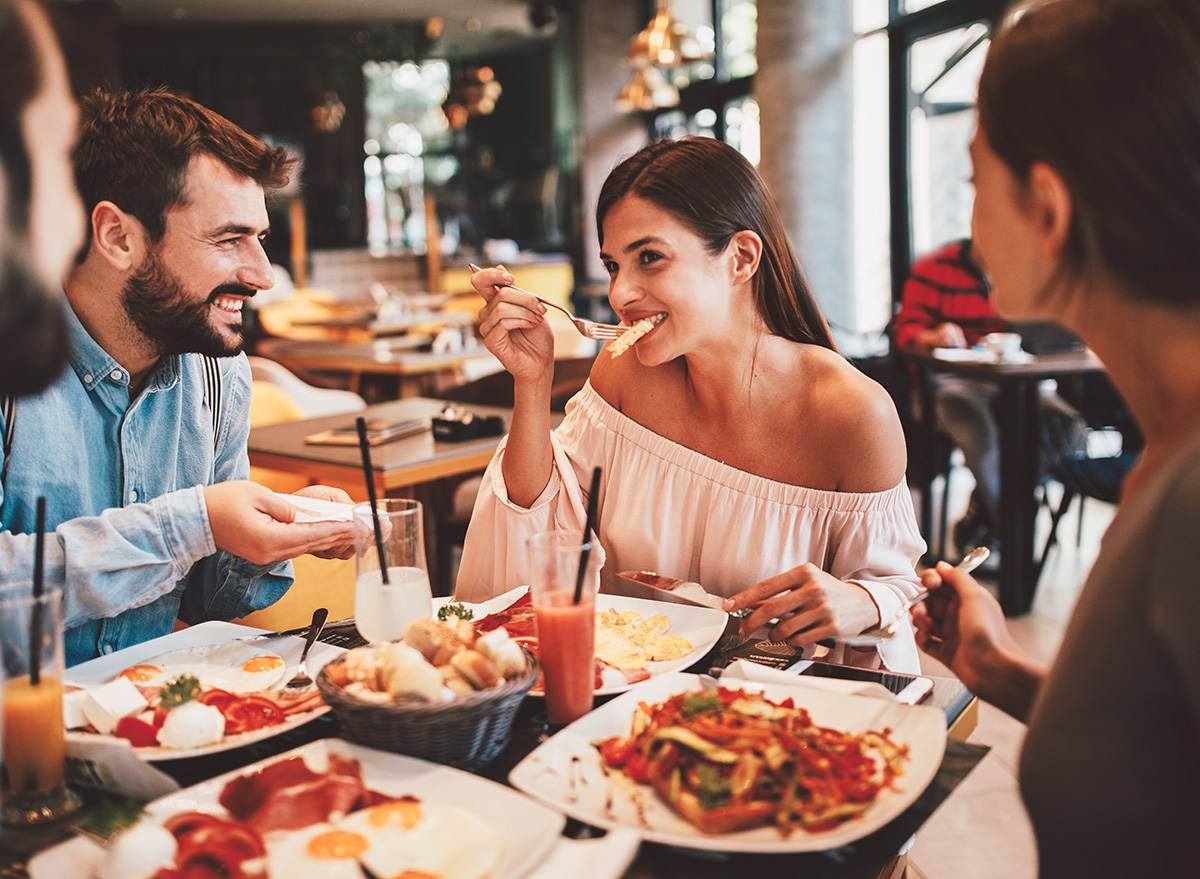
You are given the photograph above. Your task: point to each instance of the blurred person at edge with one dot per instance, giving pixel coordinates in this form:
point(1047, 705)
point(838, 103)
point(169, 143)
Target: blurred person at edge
point(41, 219)
point(139, 447)
point(1087, 212)
point(738, 448)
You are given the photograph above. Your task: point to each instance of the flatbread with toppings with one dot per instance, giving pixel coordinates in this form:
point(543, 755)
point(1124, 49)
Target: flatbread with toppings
point(625, 341)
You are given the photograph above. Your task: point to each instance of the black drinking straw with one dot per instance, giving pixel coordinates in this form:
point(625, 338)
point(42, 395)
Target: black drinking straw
point(587, 531)
point(35, 618)
point(369, 473)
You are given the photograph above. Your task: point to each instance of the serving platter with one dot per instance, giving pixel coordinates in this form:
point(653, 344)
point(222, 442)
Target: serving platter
point(533, 846)
point(701, 626)
point(567, 773)
point(102, 670)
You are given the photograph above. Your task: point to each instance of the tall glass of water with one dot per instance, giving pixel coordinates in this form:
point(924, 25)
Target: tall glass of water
point(384, 606)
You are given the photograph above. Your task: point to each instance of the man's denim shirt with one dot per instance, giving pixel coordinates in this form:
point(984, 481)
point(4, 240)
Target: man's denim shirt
point(123, 484)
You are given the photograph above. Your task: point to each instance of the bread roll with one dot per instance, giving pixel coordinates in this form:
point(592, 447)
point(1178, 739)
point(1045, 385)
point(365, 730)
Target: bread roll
point(438, 641)
point(453, 679)
point(414, 679)
point(476, 668)
point(510, 659)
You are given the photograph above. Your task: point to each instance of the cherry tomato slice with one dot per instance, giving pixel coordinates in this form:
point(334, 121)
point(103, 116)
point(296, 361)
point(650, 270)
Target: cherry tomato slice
point(250, 712)
point(185, 822)
point(139, 733)
point(218, 698)
point(616, 751)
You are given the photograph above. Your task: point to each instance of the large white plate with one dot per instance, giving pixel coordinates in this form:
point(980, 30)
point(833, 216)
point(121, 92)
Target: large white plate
point(702, 626)
point(531, 832)
point(567, 773)
point(99, 671)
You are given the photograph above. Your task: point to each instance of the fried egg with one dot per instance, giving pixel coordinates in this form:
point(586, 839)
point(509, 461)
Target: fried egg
point(625, 640)
point(238, 668)
point(320, 851)
point(407, 835)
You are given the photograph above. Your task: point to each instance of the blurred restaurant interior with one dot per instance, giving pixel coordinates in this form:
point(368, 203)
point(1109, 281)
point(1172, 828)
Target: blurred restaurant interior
point(498, 121)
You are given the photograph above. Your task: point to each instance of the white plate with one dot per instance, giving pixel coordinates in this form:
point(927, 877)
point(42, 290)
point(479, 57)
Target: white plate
point(612, 800)
point(99, 671)
point(702, 626)
point(530, 830)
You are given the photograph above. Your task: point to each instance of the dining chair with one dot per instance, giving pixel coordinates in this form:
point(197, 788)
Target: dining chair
point(311, 400)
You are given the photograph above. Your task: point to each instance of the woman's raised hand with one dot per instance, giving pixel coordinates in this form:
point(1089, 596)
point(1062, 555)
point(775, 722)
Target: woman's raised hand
point(514, 326)
point(810, 604)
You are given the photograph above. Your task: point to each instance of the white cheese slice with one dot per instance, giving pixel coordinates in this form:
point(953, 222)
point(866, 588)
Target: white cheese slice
point(73, 716)
point(105, 705)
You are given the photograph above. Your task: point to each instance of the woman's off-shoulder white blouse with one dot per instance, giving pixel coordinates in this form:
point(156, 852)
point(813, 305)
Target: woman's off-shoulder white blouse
point(668, 509)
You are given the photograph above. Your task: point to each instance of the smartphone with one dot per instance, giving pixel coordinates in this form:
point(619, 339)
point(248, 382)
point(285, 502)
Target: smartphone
point(378, 431)
point(897, 683)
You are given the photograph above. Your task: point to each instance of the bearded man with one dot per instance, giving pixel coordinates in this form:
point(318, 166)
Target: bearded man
point(140, 446)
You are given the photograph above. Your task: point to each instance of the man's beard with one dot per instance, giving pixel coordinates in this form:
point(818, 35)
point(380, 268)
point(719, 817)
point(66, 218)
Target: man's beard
point(33, 328)
point(158, 307)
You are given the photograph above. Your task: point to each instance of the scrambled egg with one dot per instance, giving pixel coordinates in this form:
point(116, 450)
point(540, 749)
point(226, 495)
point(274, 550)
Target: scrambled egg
point(624, 640)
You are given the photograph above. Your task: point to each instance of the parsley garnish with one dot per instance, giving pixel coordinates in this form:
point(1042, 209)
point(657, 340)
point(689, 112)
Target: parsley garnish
point(455, 609)
point(698, 703)
point(184, 689)
point(713, 790)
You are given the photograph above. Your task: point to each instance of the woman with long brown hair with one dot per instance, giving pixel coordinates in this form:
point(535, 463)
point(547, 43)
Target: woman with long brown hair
point(1087, 210)
point(738, 448)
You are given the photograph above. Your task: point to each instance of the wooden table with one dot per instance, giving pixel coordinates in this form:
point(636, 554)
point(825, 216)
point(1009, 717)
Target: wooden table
point(388, 368)
point(398, 465)
point(1017, 419)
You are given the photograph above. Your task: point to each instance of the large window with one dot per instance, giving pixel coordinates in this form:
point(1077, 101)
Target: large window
point(936, 54)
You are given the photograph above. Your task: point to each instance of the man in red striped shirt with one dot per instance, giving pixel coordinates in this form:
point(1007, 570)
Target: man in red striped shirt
point(947, 304)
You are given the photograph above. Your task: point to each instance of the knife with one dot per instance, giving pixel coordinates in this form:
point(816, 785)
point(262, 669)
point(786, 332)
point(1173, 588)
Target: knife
point(656, 587)
point(262, 636)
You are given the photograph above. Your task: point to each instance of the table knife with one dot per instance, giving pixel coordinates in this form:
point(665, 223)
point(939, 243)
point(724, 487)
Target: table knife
point(263, 636)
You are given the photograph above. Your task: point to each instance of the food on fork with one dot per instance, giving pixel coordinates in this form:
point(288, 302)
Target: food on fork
point(729, 760)
point(625, 341)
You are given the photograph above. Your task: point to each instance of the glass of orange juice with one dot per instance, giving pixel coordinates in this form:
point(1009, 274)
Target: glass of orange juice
point(33, 786)
point(565, 628)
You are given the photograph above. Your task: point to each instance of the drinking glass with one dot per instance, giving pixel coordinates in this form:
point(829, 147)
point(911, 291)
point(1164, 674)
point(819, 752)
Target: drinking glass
point(34, 784)
point(383, 610)
point(566, 628)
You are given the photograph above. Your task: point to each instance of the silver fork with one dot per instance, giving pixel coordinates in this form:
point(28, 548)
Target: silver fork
point(589, 328)
point(320, 615)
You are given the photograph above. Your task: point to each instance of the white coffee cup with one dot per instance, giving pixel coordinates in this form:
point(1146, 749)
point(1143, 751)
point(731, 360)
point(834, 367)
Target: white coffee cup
point(1005, 345)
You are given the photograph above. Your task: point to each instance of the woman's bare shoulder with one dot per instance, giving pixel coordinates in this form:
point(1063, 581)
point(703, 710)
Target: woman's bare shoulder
point(860, 425)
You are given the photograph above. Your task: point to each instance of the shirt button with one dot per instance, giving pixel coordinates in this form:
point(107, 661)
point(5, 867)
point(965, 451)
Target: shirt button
point(115, 375)
point(88, 378)
point(106, 649)
point(133, 497)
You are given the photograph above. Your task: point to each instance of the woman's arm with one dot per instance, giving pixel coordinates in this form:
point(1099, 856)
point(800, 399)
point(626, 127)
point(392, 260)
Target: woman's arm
point(514, 328)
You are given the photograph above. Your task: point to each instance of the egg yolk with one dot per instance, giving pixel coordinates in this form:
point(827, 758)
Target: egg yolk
point(261, 663)
point(405, 812)
point(337, 844)
point(139, 674)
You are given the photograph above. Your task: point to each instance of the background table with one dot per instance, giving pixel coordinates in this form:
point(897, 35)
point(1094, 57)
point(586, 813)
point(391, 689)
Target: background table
point(387, 368)
point(1017, 419)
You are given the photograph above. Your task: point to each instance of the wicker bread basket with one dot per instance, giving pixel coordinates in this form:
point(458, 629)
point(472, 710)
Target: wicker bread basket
point(467, 732)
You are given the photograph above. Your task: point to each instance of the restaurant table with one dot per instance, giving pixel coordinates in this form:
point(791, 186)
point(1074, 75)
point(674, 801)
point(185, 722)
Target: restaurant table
point(872, 856)
point(398, 465)
point(1017, 420)
point(387, 368)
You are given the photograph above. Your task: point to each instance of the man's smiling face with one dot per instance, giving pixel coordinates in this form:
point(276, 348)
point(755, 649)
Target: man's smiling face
point(187, 294)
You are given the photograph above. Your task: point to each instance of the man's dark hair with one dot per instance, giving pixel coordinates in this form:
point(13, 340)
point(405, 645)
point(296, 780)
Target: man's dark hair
point(135, 147)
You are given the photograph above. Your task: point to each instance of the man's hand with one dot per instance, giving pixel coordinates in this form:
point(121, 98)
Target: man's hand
point(329, 493)
point(256, 524)
point(944, 335)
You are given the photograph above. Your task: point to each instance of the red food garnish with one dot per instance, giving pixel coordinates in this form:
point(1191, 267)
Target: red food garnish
point(250, 712)
point(288, 795)
point(218, 698)
point(616, 751)
point(211, 847)
point(139, 733)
